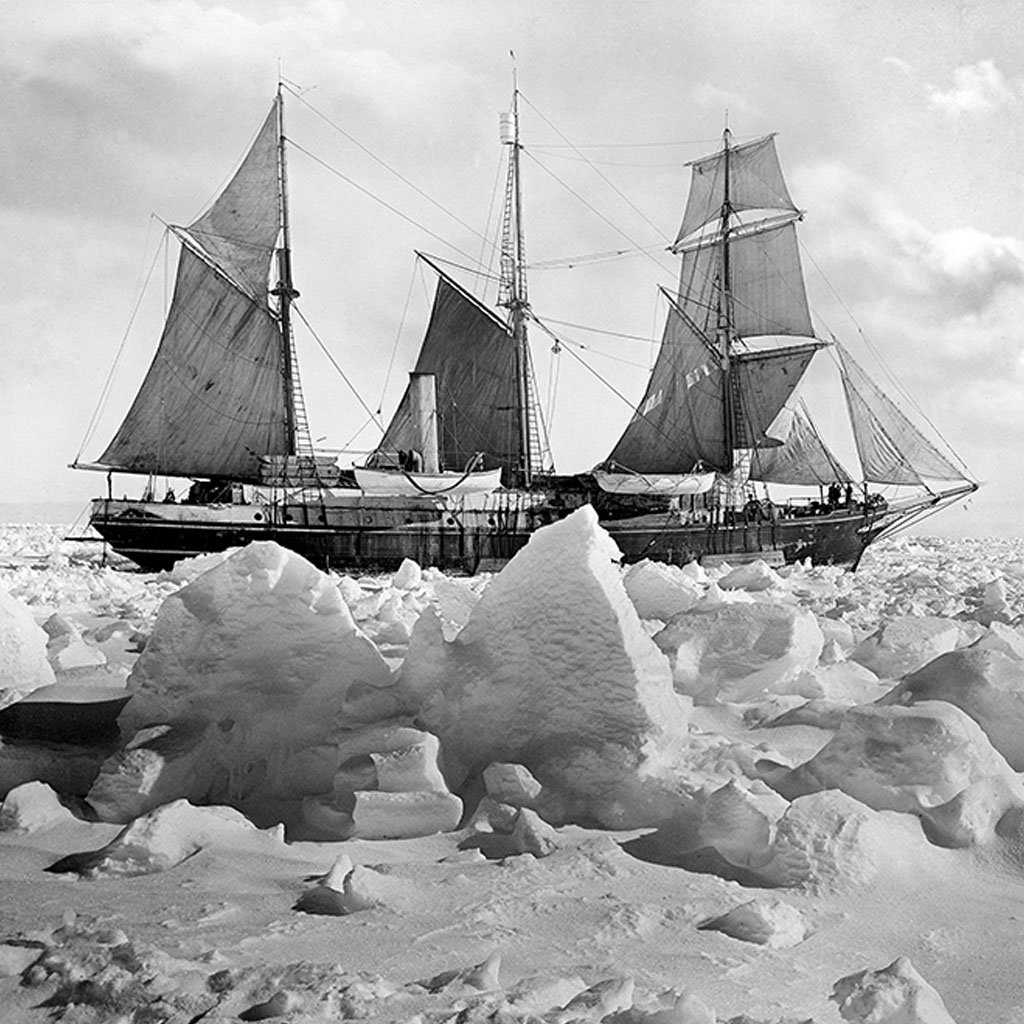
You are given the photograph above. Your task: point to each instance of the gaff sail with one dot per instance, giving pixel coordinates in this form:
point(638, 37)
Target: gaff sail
point(214, 399)
point(471, 353)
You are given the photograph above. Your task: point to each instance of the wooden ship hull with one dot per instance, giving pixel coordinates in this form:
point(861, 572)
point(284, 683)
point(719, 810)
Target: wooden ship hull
point(463, 474)
point(375, 534)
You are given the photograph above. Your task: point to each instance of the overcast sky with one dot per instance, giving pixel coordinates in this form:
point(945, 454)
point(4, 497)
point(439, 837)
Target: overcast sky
point(898, 128)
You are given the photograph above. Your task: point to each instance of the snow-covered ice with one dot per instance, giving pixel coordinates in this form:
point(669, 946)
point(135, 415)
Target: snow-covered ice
point(426, 798)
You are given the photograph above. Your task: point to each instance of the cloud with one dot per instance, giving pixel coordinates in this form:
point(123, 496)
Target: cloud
point(900, 65)
point(950, 272)
point(711, 97)
point(977, 89)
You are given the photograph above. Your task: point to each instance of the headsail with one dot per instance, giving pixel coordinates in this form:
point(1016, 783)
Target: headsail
point(803, 458)
point(214, 399)
point(891, 449)
point(472, 355)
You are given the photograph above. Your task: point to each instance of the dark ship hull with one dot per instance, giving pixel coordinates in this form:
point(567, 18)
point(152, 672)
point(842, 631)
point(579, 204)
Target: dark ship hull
point(363, 534)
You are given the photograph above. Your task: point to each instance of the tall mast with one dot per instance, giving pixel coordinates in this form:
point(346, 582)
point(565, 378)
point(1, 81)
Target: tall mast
point(514, 287)
point(725, 310)
point(285, 290)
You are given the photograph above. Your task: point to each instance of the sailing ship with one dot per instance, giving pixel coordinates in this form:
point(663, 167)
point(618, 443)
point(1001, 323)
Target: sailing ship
point(463, 475)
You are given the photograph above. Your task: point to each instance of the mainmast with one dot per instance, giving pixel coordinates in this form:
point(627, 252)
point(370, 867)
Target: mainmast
point(724, 327)
point(285, 290)
point(513, 285)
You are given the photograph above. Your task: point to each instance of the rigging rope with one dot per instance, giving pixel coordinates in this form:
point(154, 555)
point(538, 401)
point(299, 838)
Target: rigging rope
point(373, 156)
point(105, 391)
point(334, 363)
point(377, 199)
point(897, 384)
point(597, 212)
point(398, 338)
point(603, 177)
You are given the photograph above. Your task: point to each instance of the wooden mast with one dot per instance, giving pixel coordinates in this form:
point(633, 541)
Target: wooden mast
point(517, 300)
point(285, 291)
point(725, 312)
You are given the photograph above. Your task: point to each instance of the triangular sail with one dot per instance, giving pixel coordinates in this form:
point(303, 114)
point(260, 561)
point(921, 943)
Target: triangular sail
point(891, 449)
point(472, 356)
point(214, 399)
point(240, 228)
point(802, 459)
point(680, 421)
point(766, 380)
point(755, 183)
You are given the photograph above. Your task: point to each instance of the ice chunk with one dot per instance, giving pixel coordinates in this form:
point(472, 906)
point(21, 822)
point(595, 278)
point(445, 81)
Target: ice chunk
point(380, 815)
point(738, 652)
point(511, 784)
point(906, 643)
point(752, 577)
point(264, 647)
point(765, 922)
point(409, 575)
point(155, 767)
point(23, 664)
point(553, 660)
point(829, 842)
point(660, 591)
point(896, 994)
point(985, 683)
point(30, 807)
point(1008, 640)
point(598, 1001)
point(165, 837)
point(902, 758)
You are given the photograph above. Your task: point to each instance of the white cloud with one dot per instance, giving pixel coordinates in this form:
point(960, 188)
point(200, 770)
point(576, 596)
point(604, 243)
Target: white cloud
point(977, 89)
point(711, 97)
point(959, 271)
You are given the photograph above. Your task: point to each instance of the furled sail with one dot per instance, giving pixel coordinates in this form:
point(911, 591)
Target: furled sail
point(891, 449)
point(803, 458)
point(213, 400)
point(471, 353)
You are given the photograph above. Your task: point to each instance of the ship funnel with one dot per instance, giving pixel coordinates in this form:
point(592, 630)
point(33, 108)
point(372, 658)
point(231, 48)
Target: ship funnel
point(423, 410)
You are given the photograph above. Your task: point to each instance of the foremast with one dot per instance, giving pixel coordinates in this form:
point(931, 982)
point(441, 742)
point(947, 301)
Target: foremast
point(286, 294)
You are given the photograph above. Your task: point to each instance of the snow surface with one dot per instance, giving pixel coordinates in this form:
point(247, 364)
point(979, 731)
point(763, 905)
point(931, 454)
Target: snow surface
point(652, 794)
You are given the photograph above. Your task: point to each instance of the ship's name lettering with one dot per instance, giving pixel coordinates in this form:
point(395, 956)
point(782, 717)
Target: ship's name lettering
point(697, 375)
point(653, 402)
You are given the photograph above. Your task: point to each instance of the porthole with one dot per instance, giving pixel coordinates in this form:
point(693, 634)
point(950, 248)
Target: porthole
point(258, 517)
point(450, 521)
